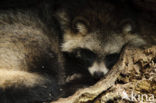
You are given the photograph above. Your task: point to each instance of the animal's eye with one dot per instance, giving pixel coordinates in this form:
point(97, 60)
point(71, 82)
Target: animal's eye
point(111, 59)
point(85, 54)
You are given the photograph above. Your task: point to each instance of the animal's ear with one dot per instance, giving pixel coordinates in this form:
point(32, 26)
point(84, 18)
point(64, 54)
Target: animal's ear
point(80, 25)
point(62, 17)
point(128, 26)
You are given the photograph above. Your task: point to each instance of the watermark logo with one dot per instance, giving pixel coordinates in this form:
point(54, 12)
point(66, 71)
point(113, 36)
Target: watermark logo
point(138, 97)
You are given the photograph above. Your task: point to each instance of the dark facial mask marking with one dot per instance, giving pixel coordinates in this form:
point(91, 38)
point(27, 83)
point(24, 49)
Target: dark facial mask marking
point(111, 59)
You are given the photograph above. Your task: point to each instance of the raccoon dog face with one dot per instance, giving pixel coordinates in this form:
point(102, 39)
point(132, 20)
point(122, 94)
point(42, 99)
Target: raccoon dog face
point(96, 33)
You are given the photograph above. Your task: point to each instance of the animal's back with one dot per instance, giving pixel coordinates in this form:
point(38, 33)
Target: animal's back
point(28, 61)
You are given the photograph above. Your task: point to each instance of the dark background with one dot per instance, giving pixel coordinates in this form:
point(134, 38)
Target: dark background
point(5, 4)
point(145, 5)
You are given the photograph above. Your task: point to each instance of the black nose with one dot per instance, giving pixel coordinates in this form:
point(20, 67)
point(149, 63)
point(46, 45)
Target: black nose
point(98, 75)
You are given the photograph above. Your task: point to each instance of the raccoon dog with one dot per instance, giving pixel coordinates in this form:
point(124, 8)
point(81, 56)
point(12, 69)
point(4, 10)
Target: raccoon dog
point(30, 61)
point(95, 33)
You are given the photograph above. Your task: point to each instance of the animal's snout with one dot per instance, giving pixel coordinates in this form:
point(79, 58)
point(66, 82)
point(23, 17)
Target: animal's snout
point(98, 70)
point(98, 75)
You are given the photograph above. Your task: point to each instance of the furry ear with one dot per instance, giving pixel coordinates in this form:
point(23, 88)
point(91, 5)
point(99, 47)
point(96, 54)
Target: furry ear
point(62, 17)
point(128, 26)
point(80, 25)
point(81, 28)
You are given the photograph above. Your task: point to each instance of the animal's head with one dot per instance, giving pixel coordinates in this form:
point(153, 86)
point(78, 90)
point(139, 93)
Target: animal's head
point(96, 32)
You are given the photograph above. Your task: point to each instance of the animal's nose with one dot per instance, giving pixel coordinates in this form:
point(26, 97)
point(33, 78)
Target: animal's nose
point(98, 75)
